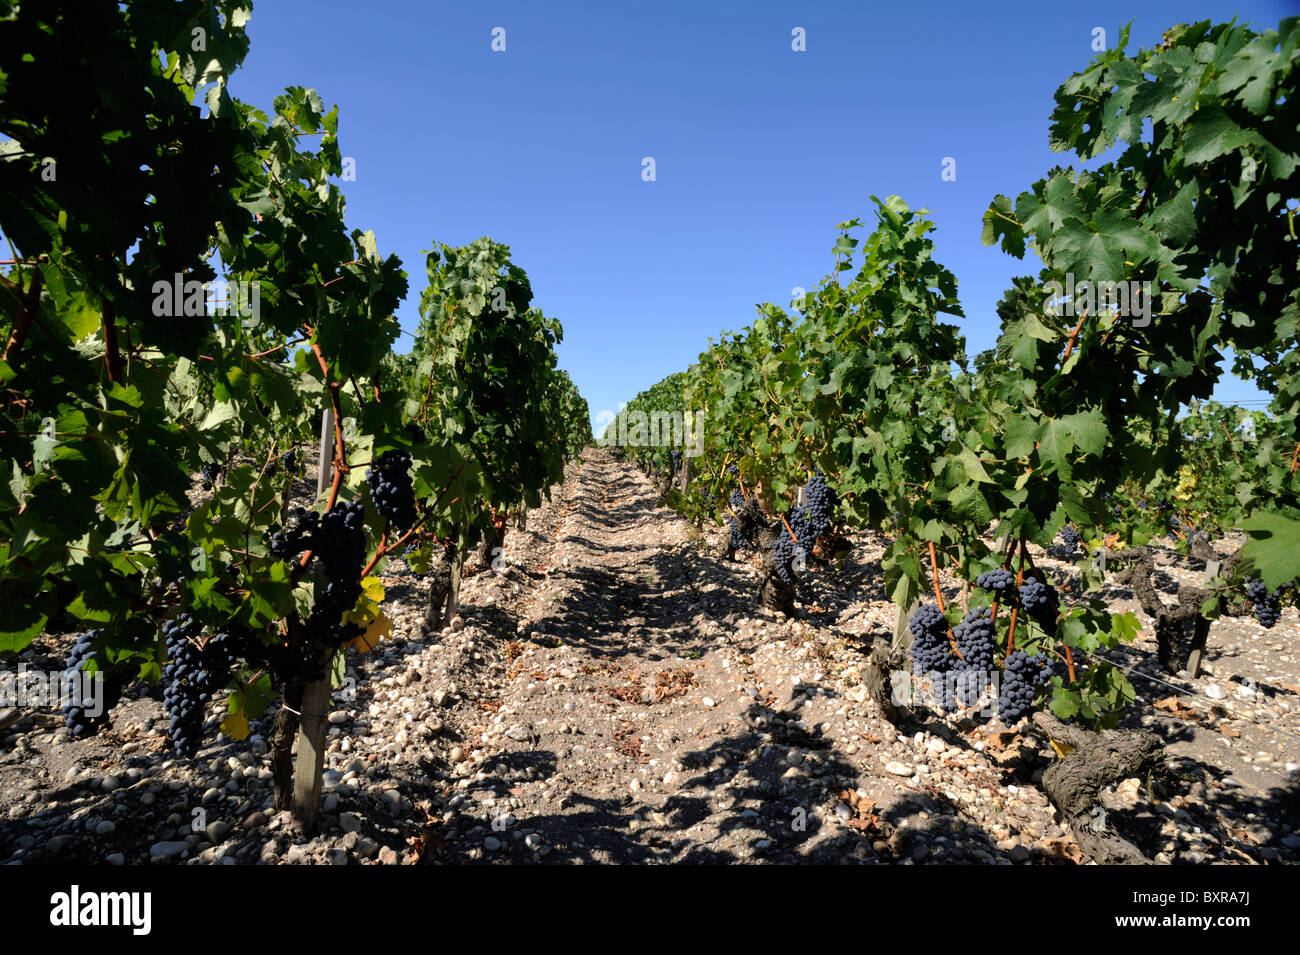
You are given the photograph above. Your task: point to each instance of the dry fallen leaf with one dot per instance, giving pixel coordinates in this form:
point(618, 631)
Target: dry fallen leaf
point(1001, 740)
point(1061, 849)
point(1175, 706)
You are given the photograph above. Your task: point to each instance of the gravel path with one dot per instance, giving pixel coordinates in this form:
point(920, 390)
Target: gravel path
point(614, 696)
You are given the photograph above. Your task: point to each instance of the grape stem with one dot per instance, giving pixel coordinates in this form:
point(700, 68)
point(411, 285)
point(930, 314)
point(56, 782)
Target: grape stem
point(25, 317)
point(1069, 346)
point(1020, 579)
point(787, 527)
point(938, 595)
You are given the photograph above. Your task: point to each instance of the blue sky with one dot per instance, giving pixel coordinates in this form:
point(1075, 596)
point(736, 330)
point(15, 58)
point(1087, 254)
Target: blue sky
point(760, 151)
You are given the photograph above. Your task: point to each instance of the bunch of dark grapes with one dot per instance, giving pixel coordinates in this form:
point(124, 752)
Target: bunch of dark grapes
point(801, 524)
point(737, 542)
point(390, 488)
point(287, 461)
point(1040, 602)
point(997, 581)
point(210, 474)
point(976, 640)
point(340, 544)
point(1022, 675)
point(192, 676)
point(179, 523)
point(1268, 607)
point(675, 457)
point(931, 651)
point(736, 500)
point(293, 662)
point(821, 501)
point(1175, 525)
point(79, 723)
point(734, 471)
point(289, 543)
point(932, 656)
point(1070, 534)
point(783, 552)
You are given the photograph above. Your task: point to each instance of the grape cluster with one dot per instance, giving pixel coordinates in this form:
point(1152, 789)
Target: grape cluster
point(783, 553)
point(292, 661)
point(1175, 525)
point(675, 457)
point(192, 676)
point(976, 639)
point(1268, 607)
point(288, 544)
point(1070, 534)
point(179, 523)
point(997, 581)
point(74, 710)
point(1022, 675)
point(734, 471)
point(390, 488)
point(1040, 602)
point(288, 461)
point(932, 654)
point(801, 523)
point(210, 474)
point(737, 542)
point(340, 544)
point(821, 501)
point(736, 500)
point(931, 651)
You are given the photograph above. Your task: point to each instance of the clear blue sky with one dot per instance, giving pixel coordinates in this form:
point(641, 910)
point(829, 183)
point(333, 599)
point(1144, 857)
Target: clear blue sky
point(760, 150)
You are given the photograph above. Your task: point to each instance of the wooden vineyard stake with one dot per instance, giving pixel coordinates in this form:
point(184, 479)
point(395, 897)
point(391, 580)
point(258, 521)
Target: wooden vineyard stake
point(310, 766)
point(1202, 631)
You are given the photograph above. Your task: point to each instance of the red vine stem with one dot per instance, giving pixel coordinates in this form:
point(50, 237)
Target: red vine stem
point(25, 316)
point(1069, 346)
point(938, 595)
point(263, 354)
point(789, 529)
point(1020, 579)
point(934, 577)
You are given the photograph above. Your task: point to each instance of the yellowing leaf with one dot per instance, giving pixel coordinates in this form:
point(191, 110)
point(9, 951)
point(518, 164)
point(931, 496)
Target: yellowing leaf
point(1061, 749)
point(379, 629)
point(373, 588)
point(367, 606)
point(235, 726)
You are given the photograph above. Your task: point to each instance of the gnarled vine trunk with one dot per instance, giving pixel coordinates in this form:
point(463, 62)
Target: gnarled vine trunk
point(1074, 784)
